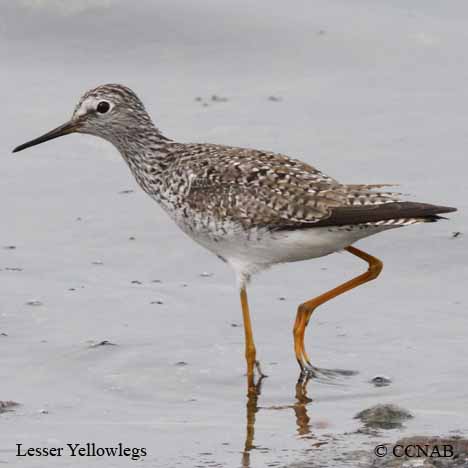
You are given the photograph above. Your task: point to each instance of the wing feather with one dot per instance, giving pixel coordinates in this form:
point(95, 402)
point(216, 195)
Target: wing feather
point(257, 188)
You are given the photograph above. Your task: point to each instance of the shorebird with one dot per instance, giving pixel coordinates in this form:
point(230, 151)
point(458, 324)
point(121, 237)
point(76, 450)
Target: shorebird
point(251, 208)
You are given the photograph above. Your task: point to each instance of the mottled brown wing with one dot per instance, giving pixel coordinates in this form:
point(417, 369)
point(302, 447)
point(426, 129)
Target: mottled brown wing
point(258, 188)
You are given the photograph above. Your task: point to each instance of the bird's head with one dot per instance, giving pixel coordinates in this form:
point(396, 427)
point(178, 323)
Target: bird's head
point(108, 111)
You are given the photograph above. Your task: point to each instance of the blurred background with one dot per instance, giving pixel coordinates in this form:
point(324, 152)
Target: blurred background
point(369, 91)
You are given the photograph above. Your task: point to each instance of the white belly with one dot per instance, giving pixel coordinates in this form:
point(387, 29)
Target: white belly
point(251, 251)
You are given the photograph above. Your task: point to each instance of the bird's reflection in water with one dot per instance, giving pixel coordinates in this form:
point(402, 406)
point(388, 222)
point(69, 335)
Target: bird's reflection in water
point(252, 409)
point(299, 407)
point(303, 422)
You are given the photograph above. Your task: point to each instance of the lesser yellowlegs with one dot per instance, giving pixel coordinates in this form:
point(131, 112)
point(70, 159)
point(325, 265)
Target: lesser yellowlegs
point(251, 208)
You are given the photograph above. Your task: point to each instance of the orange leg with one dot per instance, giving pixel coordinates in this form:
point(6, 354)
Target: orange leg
point(305, 310)
point(250, 351)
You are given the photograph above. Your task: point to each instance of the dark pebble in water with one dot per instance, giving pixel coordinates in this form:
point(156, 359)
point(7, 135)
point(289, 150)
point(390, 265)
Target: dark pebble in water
point(456, 234)
point(103, 343)
point(131, 238)
point(72, 289)
point(198, 99)
point(156, 281)
point(181, 364)
point(157, 302)
point(281, 298)
point(79, 218)
point(216, 98)
point(10, 247)
point(235, 325)
point(123, 192)
point(3, 334)
point(275, 98)
point(381, 381)
point(384, 416)
point(136, 282)
point(7, 405)
point(34, 303)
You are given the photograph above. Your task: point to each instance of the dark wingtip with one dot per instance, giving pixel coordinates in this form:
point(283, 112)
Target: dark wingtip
point(446, 209)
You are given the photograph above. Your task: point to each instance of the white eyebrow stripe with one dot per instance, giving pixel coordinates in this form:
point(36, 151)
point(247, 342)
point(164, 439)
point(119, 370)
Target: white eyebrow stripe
point(87, 105)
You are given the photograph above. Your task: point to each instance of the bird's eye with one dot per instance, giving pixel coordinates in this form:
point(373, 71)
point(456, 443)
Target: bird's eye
point(103, 107)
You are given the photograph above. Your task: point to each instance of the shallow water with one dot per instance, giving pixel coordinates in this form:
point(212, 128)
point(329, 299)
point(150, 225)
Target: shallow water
point(373, 92)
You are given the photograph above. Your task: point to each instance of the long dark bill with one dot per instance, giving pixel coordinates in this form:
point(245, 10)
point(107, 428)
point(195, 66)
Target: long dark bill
point(64, 129)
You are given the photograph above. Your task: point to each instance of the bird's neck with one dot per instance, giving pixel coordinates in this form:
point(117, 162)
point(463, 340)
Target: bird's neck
point(147, 153)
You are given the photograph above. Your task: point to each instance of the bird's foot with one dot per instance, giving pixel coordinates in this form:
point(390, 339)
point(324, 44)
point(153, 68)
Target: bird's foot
point(254, 380)
point(308, 371)
point(261, 375)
